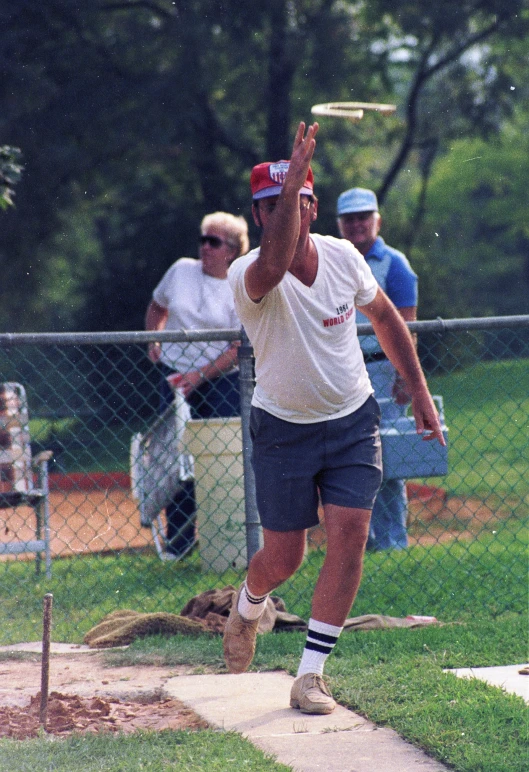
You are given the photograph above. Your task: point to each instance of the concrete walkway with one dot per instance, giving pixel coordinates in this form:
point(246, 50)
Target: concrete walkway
point(256, 705)
point(506, 677)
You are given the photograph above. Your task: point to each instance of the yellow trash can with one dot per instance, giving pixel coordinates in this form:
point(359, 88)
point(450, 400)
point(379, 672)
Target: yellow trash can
point(216, 445)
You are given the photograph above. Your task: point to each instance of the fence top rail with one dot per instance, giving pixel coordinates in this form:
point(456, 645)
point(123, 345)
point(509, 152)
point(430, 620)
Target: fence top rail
point(117, 338)
point(475, 323)
point(185, 336)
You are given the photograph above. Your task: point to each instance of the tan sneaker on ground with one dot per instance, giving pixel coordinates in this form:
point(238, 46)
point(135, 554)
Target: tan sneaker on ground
point(310, 694)
point(239, 639)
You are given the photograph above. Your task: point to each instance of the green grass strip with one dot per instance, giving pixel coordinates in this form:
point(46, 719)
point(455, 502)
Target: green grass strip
point(167, 751)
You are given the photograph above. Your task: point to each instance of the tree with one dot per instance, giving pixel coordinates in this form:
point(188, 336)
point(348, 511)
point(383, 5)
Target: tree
point(136, 117)
point(477, 196)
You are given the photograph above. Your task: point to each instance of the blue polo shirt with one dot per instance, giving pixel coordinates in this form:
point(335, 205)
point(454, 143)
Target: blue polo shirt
point(396, 277)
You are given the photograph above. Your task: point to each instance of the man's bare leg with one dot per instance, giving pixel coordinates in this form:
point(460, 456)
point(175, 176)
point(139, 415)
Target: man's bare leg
point(280, 557)
point(335, 591)
point(347, 530)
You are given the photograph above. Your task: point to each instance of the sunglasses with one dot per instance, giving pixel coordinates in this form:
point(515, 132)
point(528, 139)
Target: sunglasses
point(214, 241)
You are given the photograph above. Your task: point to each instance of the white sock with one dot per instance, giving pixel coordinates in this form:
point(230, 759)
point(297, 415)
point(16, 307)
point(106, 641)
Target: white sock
point(250, 606)
point(321, 640)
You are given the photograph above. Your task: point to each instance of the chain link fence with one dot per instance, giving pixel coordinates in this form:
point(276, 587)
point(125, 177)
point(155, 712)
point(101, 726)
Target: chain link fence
point(149, 504)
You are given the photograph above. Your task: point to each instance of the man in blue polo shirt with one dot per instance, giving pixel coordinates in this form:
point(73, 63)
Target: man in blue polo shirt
point(359, 221)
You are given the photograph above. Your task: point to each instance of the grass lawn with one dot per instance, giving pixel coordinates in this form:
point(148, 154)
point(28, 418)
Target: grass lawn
point(486, 409)
point(394, 677)
point(165, 751)
point(476, 588)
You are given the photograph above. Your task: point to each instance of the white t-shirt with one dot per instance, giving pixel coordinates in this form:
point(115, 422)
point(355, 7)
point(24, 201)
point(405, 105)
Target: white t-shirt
point(194, 301)
point(308, 362)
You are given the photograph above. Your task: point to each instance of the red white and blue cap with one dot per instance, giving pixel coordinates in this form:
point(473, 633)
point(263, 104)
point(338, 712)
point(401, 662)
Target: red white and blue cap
point(267, 180)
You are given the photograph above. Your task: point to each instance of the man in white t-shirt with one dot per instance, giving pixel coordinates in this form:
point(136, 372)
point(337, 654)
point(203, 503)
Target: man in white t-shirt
point(314, 420)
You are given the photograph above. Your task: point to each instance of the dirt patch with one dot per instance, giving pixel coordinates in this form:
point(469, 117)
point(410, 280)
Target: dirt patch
point(435, 518)
point(438, 519)
point(88, 520)
point(81, 521)
point(87, 696)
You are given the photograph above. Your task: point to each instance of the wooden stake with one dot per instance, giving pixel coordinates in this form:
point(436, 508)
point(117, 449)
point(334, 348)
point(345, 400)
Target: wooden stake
point(45, 670)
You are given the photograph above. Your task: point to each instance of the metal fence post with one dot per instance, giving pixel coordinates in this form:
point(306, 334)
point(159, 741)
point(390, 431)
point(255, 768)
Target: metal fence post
point(253, 525)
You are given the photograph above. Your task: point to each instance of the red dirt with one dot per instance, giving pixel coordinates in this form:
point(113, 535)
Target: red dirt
point(85, 519)
point(82, 521)
point(87, 697)
point(435, 518)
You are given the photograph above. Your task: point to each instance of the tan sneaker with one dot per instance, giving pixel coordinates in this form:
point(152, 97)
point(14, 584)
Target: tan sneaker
point(310, 694)
point(239, 639)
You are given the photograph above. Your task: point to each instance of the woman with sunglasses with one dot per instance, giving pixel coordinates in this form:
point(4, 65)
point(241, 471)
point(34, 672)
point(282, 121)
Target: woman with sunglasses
point(195, 295)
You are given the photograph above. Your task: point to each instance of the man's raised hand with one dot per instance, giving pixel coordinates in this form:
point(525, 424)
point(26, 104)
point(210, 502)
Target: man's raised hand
point(302, 152)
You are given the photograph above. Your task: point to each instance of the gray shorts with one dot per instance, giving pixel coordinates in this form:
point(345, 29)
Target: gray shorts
point(295, 464)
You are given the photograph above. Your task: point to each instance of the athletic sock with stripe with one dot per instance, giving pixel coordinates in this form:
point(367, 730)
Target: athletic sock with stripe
point(251, 606)
point(321, 640)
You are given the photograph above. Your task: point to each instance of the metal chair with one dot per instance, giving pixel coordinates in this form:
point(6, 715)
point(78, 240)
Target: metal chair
point(23, 478)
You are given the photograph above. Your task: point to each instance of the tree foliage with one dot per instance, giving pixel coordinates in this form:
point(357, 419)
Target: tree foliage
point(474, 248)
point(137, 117)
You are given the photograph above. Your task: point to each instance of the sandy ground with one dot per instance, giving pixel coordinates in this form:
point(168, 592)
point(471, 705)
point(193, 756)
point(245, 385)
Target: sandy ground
point(86, 696)
point(83, 521)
